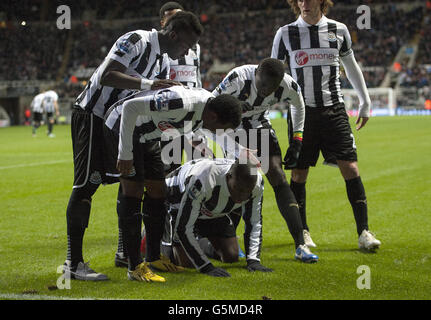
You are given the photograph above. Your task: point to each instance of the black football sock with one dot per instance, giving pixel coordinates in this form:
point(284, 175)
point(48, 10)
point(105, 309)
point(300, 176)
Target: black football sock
point(358, 200)
point(120, 247)
point(50, 126)
point(289, 210)
point(299, 192)
point(77, 215)
point(130, 221)
point(154, 220)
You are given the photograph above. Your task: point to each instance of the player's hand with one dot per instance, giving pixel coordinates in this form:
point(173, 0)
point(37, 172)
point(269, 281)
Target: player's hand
point(292, 155)
point(360, 122)
point(124, 166)
point(163, 84)
point(250, 154)
point(254, 265)
point(210, 270)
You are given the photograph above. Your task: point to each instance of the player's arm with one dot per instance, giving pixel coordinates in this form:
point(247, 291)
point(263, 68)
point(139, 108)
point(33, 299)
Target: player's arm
point(278, 47)
point(188, 213)
point(252, 215)
point(297, 118)
point(57, 110)
point(121, 56)
point(356, 78)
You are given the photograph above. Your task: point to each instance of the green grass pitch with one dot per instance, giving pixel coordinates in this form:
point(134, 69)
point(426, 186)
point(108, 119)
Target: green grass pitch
point(394, 160)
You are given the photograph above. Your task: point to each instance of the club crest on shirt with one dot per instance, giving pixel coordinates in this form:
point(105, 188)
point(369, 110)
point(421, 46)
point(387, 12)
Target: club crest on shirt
point(332, 37)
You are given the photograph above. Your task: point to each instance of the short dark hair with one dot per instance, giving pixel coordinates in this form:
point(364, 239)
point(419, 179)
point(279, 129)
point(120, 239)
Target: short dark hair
point(168, 6)
point(185, 21)
point(227, 108)
point(245, 173)
point(272, 67)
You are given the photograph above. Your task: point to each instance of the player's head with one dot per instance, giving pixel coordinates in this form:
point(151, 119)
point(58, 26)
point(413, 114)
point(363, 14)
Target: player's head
point(222, 112)
point(180, 33)
point(241, 180)
point(168, 10)
point(269, 75)
point(310, 7)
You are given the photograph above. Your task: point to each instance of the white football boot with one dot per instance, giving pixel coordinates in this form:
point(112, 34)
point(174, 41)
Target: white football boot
point(307, 238)
point(368, 241)
point(83, 272)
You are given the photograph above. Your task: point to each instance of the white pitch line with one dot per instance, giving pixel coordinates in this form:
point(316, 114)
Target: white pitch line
point(33, 164)
point(14, 296)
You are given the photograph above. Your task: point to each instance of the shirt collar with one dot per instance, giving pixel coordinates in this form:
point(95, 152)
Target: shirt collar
point(303, 23)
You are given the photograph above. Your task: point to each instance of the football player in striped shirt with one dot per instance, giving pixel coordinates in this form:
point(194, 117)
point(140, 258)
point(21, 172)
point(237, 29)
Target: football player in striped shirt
point(50, 105)
point(133, 128)
point(185, 70)
point(201, 194)
point(135, 62)
point(259, 87)
point(314, 46)
point(37, 111)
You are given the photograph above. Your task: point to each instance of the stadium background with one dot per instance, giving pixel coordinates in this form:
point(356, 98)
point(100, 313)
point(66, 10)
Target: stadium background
point(394, 53)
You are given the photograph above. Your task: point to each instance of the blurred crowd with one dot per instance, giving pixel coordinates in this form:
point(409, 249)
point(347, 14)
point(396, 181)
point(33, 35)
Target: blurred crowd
point(238, 32)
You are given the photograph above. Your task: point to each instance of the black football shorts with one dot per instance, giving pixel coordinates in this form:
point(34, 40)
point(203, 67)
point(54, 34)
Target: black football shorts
point(327, 129)
point(147, 159)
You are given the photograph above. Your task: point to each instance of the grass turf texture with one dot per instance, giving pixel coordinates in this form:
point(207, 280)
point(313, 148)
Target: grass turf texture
point(394, 156)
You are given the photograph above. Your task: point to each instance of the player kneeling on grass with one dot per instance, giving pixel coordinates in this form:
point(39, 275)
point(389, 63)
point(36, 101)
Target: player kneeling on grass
point(133, 130)
point(201, 194)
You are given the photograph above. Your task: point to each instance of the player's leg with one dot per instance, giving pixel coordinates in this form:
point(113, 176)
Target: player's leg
point(340, 144)
point(154, 208)
point(308, 157)
point(50, 123)
point(221, 235)
point(129, 203)
point(37, 118)
point(86, 130)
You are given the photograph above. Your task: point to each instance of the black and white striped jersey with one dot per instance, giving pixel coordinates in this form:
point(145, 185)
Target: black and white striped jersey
point(139, 52)
point(187, 69)
point(173, 111)
point(49, 99)
point(37, 103)
point(241, 83)
point(199, 190)
point(313, 54)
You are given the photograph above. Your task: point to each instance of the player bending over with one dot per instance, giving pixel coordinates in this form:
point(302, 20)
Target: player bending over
point(201, 194)
point(133, 130)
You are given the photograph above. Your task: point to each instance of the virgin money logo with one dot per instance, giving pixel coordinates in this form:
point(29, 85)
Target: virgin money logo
point(172, 74)
point(301, 58)
point(164, 125)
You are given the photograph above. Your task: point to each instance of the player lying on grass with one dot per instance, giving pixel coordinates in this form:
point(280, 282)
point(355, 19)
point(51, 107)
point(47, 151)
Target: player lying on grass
point(259, 88)
point(201, 194)
point(133, 130)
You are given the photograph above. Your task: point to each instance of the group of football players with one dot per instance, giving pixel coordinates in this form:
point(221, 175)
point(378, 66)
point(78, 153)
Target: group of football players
point(146, 98)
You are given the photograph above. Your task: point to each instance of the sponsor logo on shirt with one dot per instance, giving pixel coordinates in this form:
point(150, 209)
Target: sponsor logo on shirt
point(164, 125)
